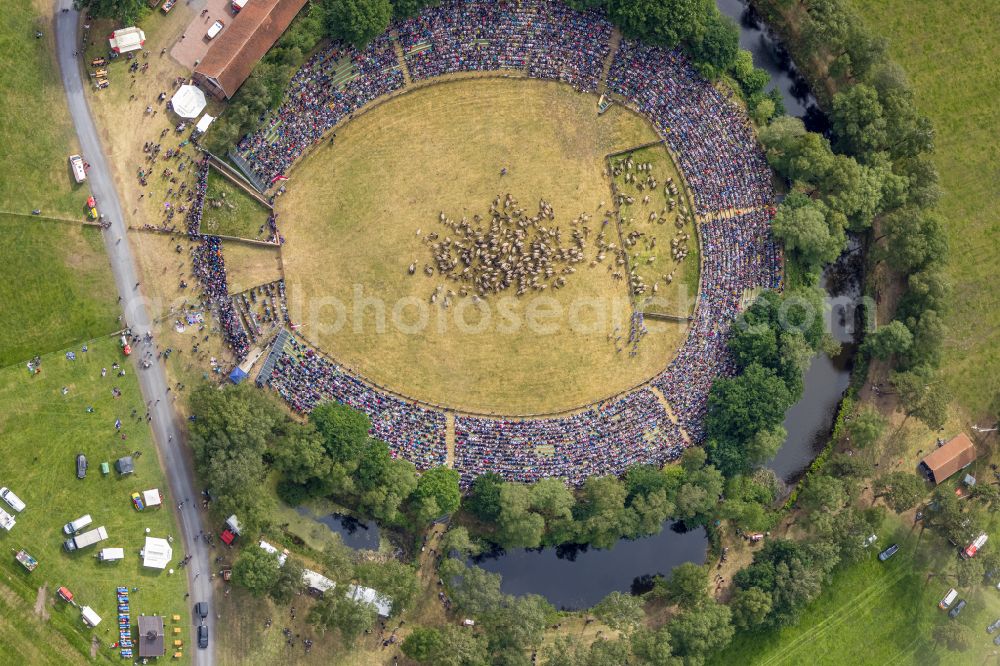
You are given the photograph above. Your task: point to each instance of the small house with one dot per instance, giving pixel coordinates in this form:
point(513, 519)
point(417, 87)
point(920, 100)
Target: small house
point(956, 454)
point(150, 636)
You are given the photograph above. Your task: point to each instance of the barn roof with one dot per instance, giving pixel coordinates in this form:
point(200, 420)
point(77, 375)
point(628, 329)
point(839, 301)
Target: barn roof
point(247, 37)
point(953, 455)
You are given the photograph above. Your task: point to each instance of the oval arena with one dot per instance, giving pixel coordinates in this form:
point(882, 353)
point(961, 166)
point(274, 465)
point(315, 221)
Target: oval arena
point(651, 408)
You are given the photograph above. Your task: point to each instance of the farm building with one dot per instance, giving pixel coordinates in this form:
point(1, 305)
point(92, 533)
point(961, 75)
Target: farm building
point(240, 47)
point(957, 453)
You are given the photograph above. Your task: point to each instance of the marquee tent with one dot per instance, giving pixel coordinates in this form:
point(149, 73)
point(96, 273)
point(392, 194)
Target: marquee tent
point(188, 101)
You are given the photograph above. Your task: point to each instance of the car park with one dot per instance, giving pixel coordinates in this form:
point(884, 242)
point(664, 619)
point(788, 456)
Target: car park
point(81, 466)
point(953, 613)
point(888, 552)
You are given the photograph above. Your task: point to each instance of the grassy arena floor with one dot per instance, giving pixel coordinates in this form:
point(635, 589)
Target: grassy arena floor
point(55, 286)
point(953, 60)
point(239, 215)
point(351, 217)
point(42, 430)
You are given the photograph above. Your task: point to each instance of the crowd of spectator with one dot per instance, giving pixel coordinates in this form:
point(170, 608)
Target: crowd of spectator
point(333, 84)
point(304, 379)
point(719, 157)
point(547, 39)
point(208, 264)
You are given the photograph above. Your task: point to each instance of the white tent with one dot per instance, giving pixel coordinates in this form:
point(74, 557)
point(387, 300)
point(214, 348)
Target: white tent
point(366, 595)
point(188, 101)
point(157, 553)
point(152, 497)
point(317, 581)
point(127, 39)
point(203, 124)
point(268, 548)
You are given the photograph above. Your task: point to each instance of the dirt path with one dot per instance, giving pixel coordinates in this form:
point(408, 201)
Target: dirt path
point(449, 438)
point(40, 599)
point(670, 412)
point(616, 40)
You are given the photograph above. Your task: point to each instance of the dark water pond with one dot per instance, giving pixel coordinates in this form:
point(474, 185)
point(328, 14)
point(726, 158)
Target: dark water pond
point(770, 56)
point(355, 533)
point(577, 577)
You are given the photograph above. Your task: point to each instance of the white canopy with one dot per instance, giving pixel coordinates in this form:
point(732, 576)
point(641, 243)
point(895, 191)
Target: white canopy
point(366, 595)
point(203, 124)
point(317, 581)
point(188, 101)
point(157, 553)
point(127, 39)
point(151, 497)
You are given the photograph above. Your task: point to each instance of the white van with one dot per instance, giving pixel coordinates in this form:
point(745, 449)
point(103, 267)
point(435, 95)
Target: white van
point(111, 554)
point(77, 525)
point(948, 600)
point(215, 29)
point(79, 171)
point(15, 502)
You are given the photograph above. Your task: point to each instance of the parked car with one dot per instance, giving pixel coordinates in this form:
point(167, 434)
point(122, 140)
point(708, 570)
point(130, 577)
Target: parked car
point(81, 466)
point(15, 502)
point(137, 502)
point(996, 641)
point(953, 613)
point(201, 609)
point(215, 29)
point(77, 525)
point(888, 552)
point(202, 636)
point(872, 538)
point(993, 627)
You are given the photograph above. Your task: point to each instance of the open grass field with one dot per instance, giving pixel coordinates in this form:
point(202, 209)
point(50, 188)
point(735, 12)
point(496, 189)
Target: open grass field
point(36, 135)
point(55, 286)
point(357, 211)
point(42, 430)
point(250, 265)
point(675, 283)
point(952, 57)
point(880, 613)
point(229, 211)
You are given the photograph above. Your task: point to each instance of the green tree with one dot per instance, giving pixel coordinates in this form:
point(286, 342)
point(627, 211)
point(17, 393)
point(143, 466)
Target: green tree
point(923, 395)
point(517, 525)
point(719, 44)
point(865, 428)
point(457, 540)
point(858, 122)
point(126, 12)
point(393, 579)
point(700, 631)
point(288, 581)
point(601, 511)
point(357, 21)
point(823, 494)
point(336, 612)
point(900, 490)
point(664, 22)
point(518, 624)
point(484, 497)
point(652, 647)
point(620, 611)
point(256, 570)
point(687, 585)
point(750, 608)
point(804, 226)
point(300, 454)
point(423, 644)
point(344, 430)
point(441, 484)
point(474, 590)
point(914, 239)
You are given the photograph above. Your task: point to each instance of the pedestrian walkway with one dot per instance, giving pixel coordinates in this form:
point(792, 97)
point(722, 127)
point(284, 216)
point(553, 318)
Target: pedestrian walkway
point(449, 439)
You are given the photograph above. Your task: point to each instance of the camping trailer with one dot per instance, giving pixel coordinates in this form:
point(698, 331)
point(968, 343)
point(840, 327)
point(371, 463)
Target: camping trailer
point(111, 554)
point(90, 618)
point(6, 520)
point(76, 164)
point(15, 502)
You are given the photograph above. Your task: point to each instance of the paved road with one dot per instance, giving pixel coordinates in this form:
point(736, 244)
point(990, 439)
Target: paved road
point(152, 381)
